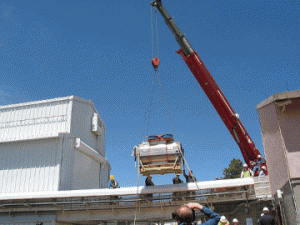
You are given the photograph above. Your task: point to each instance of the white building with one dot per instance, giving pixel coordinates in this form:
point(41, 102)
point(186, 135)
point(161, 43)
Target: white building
point(52, 145)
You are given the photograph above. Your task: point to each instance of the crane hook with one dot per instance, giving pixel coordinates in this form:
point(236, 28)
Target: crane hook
point(155, 62)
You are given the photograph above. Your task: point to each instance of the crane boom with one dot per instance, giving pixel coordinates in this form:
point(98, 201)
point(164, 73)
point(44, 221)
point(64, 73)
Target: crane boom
point(211, 89)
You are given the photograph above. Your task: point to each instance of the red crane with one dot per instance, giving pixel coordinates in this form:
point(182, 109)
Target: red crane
point(211, 89)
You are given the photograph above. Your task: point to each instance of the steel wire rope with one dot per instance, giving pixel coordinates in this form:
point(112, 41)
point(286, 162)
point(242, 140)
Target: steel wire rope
point(193, 176)
point(166, 103)
point(137, 193)
point(148, 112)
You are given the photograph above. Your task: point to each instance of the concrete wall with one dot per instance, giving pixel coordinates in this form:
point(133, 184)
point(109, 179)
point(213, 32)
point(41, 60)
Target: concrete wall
point(274, 147)
point(279, 117)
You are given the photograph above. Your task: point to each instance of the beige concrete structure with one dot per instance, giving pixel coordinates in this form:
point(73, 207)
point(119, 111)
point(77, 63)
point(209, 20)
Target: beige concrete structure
point(279, 117)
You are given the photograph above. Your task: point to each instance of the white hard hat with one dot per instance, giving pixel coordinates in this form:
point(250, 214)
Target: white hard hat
point(223, 219)
point(263, 167)
point(259, 156)
point(245, 165)
point(235, 220)
point(265, 209)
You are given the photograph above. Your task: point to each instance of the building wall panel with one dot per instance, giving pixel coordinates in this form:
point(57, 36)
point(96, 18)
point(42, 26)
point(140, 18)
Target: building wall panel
point(20, 122)
point(81, 126)
point(86, 172)
point(29, 166)
point(274, 147)
point(104, 175)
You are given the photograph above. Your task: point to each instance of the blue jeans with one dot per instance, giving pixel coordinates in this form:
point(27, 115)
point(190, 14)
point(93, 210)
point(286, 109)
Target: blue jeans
point(256, 168)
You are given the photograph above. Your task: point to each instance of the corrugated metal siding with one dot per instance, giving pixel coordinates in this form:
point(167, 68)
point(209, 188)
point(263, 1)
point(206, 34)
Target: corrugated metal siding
point(81, 125)
point(67, 162)
point(29, 166)
point(33, 121)
point(101, 143)
point(86, 172)
point(104, 175)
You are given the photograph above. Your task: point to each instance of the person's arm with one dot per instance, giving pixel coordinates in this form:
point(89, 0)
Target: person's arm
point(251, 173)
point(242, 174)
point(275, 221)
point(214, 217)
point(184, 174)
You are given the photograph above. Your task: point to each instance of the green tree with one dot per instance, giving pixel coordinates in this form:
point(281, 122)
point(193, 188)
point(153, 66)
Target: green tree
point(234, 170)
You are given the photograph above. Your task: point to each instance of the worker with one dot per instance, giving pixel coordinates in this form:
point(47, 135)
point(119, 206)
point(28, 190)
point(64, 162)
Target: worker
point(246, 172)
point(259, 161)
point(113, 183)
point(177, 180)
point(223, 220)
point(148, 181)
point(263, 171)
point(267, 219)
point(184, 215)
point(235, 221)
point(189, 178)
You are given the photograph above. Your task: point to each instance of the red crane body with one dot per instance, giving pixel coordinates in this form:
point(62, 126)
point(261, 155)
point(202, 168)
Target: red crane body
point(211, 89)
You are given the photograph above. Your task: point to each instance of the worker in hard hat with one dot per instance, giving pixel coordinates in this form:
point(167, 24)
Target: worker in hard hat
point(260, 160)
point(263, 171)
point(246, 172)
point(235, 221)
point(112, 184)
point(177, 180)
point(223, 221)
point(266, 218)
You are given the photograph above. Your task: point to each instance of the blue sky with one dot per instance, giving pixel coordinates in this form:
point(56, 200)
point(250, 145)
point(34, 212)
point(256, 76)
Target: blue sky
point(101, 50)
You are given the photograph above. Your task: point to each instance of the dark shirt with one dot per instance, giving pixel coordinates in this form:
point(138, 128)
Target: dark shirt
point(267, 220)
point(176, 180)
point(149, 182)
point(214, 218)
point(189, 178)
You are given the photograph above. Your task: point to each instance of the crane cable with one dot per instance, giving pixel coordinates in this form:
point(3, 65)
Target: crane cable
point(184, 160)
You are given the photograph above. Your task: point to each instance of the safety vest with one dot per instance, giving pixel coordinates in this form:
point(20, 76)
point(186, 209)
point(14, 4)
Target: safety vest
point(247, 173)
point(222, 223)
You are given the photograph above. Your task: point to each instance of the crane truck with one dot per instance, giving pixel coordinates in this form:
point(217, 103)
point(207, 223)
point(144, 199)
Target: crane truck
point(210, 87)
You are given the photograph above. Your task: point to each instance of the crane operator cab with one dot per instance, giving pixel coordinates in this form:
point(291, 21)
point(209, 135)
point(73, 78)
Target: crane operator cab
point(160, 154)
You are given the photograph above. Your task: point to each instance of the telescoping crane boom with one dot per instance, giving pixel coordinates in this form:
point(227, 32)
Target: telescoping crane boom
point(211, 89)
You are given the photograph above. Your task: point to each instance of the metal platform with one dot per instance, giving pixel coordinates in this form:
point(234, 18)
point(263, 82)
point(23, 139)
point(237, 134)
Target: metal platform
point(150, 203)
